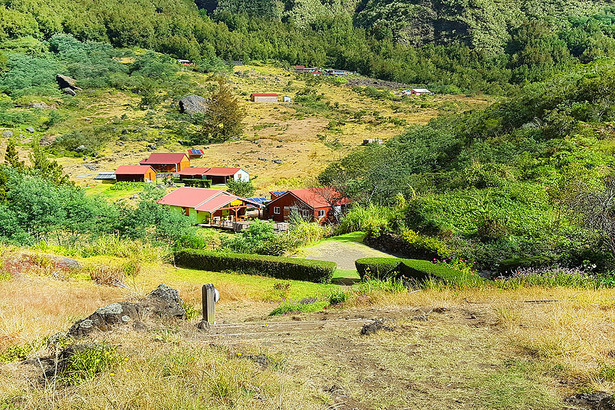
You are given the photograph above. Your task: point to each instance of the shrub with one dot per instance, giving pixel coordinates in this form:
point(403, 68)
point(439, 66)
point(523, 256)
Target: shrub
point(421, 246)
point(84, 362)
point(274, 266)
point(338, 297)
point(414, 270)
point(508, 266)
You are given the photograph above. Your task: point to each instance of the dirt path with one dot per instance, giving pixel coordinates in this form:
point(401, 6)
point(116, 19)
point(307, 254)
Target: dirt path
point(344, 253)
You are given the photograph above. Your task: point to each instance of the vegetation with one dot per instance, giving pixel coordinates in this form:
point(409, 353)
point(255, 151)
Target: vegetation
point(513, 181)
point(414, 271)
point(274, 266)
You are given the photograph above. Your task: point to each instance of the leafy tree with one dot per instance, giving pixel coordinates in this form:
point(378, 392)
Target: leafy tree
point(240, 188)
point(11, 157)
point(49, 170)
point(224, 117)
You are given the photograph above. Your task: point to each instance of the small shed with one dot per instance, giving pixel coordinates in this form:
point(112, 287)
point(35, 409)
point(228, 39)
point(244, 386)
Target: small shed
point(264, 97)
point(135, 173)
point(195, 153)
point(167, 161)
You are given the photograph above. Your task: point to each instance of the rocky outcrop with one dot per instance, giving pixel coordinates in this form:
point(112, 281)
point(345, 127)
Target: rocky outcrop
point(193, 104)
point(67, 84)
point(163, 303)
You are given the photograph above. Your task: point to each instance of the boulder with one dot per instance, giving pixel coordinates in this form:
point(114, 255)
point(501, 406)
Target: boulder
point(42, 106)
point(374, 327)
point(163, 303)
point(69, 91)
point(66, 82)
point(7, 134)
point(193, 104)
point(30, 129)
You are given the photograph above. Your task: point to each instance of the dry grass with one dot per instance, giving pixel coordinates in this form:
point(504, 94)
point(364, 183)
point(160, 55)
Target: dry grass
point(480, 348)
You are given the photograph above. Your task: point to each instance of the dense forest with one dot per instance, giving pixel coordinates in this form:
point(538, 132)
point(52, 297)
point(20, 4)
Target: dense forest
point(449, 45)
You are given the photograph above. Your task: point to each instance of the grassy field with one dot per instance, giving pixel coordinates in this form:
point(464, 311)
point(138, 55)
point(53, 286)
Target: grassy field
point(465, 348)
point(304, 137)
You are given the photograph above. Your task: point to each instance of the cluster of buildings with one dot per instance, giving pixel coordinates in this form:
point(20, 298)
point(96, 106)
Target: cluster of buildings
point(176, 164)
point(219, 208)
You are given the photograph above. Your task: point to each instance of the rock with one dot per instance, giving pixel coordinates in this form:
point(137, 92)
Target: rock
point(66, 82)
point(151, 147)
point(124, 131)
point(68, 263)
point(164, 302)
point(421, 318)
point(262, 159)
point(120, 143)
point(91, 167)
point(81, 148)
point(42, 106)
point(105, 318)
point(69, 91)
point(7, 134)
point(375, 326)
point(87, 119)
point(30, 129)
point(277, 161)
point(596, 400)
point(193, 104)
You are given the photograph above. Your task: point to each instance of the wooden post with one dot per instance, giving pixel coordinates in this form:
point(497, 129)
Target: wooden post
point(209, 303)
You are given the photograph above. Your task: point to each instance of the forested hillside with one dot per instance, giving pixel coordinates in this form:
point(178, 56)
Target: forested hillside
point(453, 45)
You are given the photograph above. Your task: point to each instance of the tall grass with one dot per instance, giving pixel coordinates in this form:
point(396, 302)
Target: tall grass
point(109, 245)
point(371, 219)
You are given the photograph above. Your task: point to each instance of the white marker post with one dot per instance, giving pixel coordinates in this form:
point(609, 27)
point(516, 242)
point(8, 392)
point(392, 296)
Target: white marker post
point(210, 297)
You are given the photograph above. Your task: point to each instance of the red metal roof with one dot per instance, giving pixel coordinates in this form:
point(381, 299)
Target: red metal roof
point(193, 171)
point(264, 95)
point(188, 197)
point(133, 169)
point(221, 171)
point(216, 203)
point(159, 158)
point(317, 197)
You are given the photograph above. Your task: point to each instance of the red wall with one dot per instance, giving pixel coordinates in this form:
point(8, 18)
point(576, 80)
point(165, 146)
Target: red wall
point(290, 201)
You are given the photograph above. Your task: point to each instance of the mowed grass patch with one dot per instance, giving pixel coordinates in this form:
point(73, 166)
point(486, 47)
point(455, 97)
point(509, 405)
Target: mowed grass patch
point(108, 192)
point(235, 287)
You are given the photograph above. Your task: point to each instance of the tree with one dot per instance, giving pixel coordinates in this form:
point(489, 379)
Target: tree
point(12, 157)
point(49, 170)
point(240, 188)
point(224, 117)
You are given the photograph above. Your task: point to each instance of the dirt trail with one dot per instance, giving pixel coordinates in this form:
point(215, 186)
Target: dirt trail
point(344, 253)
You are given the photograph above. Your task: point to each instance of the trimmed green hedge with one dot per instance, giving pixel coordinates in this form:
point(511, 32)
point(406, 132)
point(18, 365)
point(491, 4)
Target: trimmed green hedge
point(416, 269)
point(274, 266)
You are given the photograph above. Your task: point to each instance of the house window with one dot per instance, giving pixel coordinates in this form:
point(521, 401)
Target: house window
point(321, 213)
point(276, 210)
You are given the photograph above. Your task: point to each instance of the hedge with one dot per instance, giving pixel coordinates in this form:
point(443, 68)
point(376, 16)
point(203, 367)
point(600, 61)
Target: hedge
point(419, 270)
point(274, 266)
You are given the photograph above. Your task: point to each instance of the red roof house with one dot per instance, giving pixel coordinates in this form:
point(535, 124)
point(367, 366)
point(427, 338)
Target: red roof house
point(193, 173)
point(135, 173)
point(314, 204)
point(220, 175)
point(167, 161)
point(206, 205)
point(264, 97)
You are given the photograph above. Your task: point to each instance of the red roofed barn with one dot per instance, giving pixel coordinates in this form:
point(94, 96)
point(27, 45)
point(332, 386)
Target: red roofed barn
point(314, 204)
point(167, 161)
point(135, 173)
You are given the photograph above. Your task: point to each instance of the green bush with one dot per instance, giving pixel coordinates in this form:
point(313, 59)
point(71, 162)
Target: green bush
point(424, 246)
point(509, 265)
point(84, 362)
point(414, 270)
point(274, 266)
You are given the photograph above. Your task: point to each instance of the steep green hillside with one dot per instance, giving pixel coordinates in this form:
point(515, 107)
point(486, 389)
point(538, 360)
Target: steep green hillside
point(449, 45)
point(527, 177)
